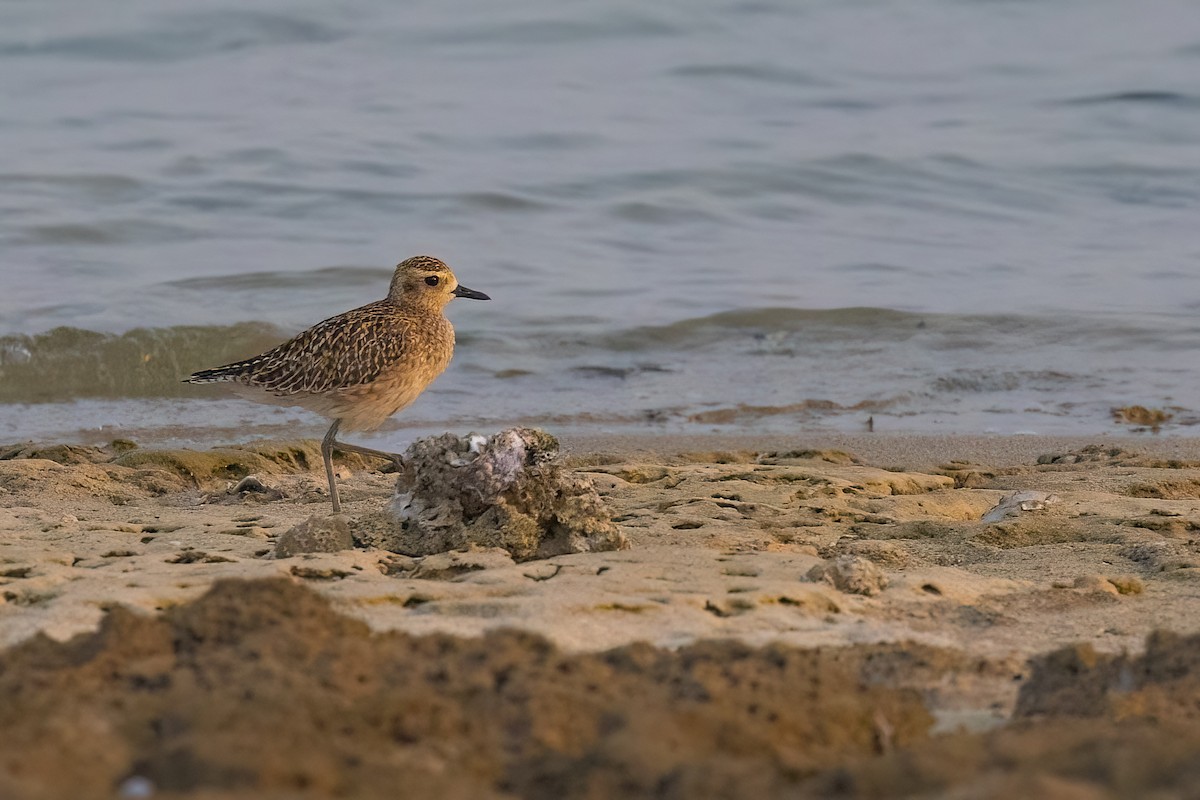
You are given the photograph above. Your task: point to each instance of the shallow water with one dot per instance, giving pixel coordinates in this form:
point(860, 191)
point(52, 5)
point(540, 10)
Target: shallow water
point(964, 216)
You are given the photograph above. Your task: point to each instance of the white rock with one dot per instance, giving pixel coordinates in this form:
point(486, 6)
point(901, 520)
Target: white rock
point(1017, 503)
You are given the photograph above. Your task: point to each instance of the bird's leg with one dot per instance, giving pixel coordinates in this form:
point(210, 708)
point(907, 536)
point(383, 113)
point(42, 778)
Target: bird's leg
point(327, 446)
point(327, 454)
point(395, 458)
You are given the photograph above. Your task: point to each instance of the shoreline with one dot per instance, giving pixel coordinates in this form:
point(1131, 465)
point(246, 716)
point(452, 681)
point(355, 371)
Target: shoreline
point(918, 450)
point(777, 507)
point(961, 563)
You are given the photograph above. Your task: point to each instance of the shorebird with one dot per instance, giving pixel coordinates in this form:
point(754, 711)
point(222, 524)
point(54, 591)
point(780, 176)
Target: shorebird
point(361, 367)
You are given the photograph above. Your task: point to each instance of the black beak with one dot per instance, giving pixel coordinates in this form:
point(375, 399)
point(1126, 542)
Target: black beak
point(470, 294)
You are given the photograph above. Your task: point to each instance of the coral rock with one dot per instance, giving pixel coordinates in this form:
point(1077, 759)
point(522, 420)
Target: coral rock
point(851, 574)
point(503, 491)
point(315, 535)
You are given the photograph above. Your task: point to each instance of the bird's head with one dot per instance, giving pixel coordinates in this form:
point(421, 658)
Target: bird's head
point(427, 280)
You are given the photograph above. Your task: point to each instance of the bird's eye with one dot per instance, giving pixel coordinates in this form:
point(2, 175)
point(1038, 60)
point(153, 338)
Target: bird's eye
point(432, 280)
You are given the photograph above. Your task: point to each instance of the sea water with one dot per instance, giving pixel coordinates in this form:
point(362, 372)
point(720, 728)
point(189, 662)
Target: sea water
point(931, 215)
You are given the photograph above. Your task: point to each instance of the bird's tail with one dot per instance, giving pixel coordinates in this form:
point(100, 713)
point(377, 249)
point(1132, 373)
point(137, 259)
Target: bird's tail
point(229, 372)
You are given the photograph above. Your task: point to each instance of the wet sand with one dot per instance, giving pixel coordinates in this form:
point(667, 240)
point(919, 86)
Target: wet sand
point(831, 616)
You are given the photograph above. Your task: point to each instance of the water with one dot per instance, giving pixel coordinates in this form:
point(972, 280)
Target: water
point(950, 215)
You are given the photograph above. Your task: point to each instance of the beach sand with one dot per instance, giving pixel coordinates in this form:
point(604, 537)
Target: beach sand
point(855, 616)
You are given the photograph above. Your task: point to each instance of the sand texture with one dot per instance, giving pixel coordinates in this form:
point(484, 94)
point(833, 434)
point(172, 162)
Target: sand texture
point(784, 622)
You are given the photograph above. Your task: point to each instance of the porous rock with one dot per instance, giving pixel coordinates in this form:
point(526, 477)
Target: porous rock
point(506, 490)
point(449, 566)
point(1014, 504)
point(851, 574)
point(315, 535)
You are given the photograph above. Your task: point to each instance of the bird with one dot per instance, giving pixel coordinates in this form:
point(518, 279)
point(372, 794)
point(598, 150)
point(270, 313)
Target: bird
point(361, 367)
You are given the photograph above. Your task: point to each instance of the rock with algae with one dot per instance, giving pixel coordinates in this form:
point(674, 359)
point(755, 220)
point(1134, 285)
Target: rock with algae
point(506, 490)
point(851, 574)
point(316, 534)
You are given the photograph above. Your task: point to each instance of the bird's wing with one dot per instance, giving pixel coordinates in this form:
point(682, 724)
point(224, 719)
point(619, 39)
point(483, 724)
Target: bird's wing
point(347, 350)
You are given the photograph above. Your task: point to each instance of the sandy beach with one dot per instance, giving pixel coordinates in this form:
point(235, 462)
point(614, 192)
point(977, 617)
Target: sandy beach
point(835, 400)
point(831, 616)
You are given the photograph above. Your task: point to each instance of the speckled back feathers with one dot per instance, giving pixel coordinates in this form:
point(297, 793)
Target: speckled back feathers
point(361, 366)
point(348, 350)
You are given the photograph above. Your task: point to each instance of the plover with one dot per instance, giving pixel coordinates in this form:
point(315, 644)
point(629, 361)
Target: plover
point(359, 368)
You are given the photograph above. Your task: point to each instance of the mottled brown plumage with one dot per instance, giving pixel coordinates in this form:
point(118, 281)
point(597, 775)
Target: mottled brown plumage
point(361, 367)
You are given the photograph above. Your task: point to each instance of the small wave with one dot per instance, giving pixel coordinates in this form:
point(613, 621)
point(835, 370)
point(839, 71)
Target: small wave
point(604, 371)
point(276, 280)
point(498, 201)
point(761, 322)
point(97, 187)
point(549, 142)
point(115, 232)
point(620, 25)
point(944, 184)
point(807, 408)
point(660, 213)
point(1148, 97)
point(1129, 183)
point(876, 268)
point(760, 73)
point(992, 382)
point(70, 363)
point(181, 37)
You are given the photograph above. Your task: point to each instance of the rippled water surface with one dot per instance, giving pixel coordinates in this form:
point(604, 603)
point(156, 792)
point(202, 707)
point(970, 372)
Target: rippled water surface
point(959, 215)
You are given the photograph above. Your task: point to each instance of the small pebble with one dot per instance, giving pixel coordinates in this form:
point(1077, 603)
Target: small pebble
point(136, 787)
